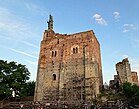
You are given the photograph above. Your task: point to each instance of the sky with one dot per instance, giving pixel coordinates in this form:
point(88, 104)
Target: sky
point(115, 23)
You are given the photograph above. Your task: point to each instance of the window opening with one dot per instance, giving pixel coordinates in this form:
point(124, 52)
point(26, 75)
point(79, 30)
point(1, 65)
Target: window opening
point(52, 63)
point(52, 53)
point(76, 49)
point(55, 53)
point(58, 41)
point(73, 50)
point(54, 76)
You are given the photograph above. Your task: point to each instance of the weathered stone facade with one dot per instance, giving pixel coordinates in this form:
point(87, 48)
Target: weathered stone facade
point(124, 72)
point(113, 84)
point(134, 77)
point(66, 64)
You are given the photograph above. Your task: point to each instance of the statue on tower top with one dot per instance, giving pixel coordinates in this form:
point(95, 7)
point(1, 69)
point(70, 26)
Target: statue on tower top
point(50, 22)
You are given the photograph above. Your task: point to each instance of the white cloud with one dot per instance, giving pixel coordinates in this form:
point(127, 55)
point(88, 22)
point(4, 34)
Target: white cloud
point(116, 15)
point(99, 19)
point(35, 9)
point(14, 26)
point(5, 37)
point(32, 62)
point(20, 41)
point(23, 53)
point(30, 44)
point(128, 27)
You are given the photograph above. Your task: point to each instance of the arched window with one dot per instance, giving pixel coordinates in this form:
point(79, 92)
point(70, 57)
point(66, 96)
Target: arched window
point(57, 41)
point(55, 53)
point(52, 53)
point(76, 49)
point(73, 50)
point(54, 76)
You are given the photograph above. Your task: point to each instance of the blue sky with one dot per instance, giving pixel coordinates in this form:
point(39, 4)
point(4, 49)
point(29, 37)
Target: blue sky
point(115, 23)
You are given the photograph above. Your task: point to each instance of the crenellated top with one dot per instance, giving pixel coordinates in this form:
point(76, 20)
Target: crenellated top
point(50, 35)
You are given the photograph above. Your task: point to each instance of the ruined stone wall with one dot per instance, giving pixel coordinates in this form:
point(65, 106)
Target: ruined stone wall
point(61, 65)
point(134, 77)
point(124, 71)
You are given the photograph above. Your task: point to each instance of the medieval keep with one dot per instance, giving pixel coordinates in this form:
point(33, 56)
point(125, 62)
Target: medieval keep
point(69, 67)
point(125, 74)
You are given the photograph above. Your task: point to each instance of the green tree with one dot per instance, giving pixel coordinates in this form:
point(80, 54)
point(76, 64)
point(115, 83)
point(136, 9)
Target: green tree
point(28, 89)
point(13, 76)
point(131, 91)
point(127, 90)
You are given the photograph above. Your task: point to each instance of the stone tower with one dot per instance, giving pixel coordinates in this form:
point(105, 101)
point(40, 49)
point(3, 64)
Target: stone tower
point(124, 71)
point(69, 66)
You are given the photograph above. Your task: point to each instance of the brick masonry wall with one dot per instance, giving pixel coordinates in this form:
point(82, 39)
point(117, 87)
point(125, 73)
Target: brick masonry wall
point(59, 65)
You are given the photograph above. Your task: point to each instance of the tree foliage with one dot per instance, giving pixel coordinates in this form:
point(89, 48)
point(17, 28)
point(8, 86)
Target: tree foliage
point(126, 91)
point(131, 91)
point(13, 76)
point(28, 89)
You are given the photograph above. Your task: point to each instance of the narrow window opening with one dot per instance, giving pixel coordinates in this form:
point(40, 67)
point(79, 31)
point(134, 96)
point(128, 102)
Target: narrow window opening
point(73, 50)
point(55, 53)
point(76, 49)
point(52, 63)
point(54, 76)
point(58, 41)
point(52, 53)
